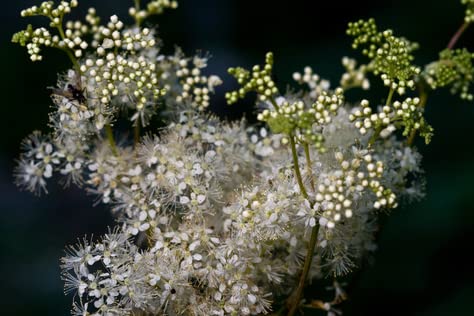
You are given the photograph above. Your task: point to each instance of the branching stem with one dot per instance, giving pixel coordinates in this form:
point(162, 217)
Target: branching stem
point(138, 20)
point(66, 50)
point(295, 299)
point(275, 105)
point(377, 132)
point(388, 102)
point(423, 99)
point(110, 137)
point(423, 94)
point(309, 165)
point(297, 167)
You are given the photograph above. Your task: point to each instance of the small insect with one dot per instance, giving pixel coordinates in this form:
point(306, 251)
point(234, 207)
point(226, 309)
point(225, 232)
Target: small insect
point(72, 91)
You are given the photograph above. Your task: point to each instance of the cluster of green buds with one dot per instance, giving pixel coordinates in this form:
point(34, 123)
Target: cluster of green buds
point(34, 39)
point(258, 80)
point(453, 68)
point(304, 122)
point(407, 114)
point(390, 56)
point(410, 113)
point(153, 8)
point(469, 18)
point(301, 119)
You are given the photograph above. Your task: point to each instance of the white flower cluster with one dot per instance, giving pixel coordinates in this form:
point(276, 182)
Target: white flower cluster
point(214, 217)
point(354, 77)
point(36, 164)
point(312, 80)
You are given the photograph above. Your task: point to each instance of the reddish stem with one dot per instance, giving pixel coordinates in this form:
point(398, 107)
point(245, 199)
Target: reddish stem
point(457, 35)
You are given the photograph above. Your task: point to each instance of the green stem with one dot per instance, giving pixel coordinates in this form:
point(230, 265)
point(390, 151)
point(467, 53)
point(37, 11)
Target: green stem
point(138, 20)
point(74, 61)
point(296, 297)
point(65, 49)
point(457, 35)
point(411, 138)
point(110, 136)
point(297, 167)
point(423, 99)
point(375, 135)
point(388, 102)
point(275, 105)
point(304, 274)
point(309, 165)
point(377, 132)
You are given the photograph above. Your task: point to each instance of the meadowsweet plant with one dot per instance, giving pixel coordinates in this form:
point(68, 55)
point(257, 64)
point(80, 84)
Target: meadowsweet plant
point(217, 217)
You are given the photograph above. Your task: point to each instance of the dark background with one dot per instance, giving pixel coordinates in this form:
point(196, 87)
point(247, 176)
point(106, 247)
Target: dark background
point(423, 264)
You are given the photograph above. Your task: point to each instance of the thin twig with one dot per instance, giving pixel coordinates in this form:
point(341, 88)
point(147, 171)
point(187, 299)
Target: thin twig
point(457, 35)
